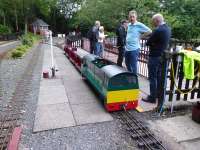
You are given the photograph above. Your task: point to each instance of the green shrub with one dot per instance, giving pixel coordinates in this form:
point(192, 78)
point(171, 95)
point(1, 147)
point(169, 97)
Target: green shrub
point(110, 34)
point(22, 48)
point(4, 29)
point(28, 39)
point(17, 54)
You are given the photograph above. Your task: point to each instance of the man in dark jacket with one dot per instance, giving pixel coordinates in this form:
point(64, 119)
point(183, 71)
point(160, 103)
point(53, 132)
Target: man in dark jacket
point(121, 41)
point(158, 42)
point(93, 36)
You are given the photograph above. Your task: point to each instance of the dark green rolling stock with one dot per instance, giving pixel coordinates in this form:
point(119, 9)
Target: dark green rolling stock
point(116, 85)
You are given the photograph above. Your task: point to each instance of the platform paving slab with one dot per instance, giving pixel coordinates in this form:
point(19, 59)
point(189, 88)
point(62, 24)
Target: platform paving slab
point(52, 95)
point(76, 85)
point(82, 98)
point(191, 145)
point(144, 85)
point(90, 113)
point(181, 128)
point(51, 82)
point(53, 117)
point(61, 100)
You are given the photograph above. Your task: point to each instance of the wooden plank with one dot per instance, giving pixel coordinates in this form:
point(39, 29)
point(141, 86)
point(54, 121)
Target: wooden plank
point(180, 81)
point(186, 87)
point(193, 84)
point(198, 95)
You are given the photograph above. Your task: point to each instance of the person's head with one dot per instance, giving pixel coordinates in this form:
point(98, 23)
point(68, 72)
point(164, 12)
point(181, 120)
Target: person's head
point(101, 29)
point(157, 19)
point(132, 16)
point(124, 23)
point(97, 23)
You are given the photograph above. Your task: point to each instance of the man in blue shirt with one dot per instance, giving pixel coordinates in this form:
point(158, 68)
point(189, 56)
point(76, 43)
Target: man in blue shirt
point(134, 32)
point(158, 42)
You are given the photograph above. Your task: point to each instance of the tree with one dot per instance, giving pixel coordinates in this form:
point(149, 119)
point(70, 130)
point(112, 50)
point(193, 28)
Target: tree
point(111, 12)
point(183, 15)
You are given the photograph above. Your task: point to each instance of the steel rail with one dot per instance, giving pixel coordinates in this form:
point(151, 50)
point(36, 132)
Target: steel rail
point(140, 125)
point(136, 132)
point(149, 141)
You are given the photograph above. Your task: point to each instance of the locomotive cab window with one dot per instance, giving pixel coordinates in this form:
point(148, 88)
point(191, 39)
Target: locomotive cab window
point(123, 82)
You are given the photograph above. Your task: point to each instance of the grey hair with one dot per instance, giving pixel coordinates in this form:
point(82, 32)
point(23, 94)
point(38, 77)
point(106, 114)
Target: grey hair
point(132, 12)
point(97, 23)
point(158, 17)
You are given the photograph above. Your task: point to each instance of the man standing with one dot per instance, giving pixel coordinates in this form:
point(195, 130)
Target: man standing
point(158, 42)
point(134, 32)
point(121, 41)
point(93, 36)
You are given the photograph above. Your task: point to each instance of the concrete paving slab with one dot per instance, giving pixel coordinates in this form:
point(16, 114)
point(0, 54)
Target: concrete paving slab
point(51, 82)
point(82, 97)
point(90, 113)
point(191, 145)
point(144, 85)
point(76, 85)
point(52, 95)
point(53, 117)
point(181, 128)
point(146, 106)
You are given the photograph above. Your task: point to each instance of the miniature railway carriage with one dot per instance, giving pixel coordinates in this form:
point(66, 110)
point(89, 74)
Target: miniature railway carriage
point(118, 88)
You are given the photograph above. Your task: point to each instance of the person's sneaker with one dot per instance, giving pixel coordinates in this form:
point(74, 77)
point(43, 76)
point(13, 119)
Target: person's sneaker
point(148, 100)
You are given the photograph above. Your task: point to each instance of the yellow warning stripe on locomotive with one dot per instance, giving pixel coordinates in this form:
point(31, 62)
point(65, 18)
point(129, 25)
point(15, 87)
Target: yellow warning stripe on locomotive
point(123, 96)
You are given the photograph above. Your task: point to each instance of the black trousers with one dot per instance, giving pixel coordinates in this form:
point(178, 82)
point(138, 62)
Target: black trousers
point(92, 46)
point(121, 50)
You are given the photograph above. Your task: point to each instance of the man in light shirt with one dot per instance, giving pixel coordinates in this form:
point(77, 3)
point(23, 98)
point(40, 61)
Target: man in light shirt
point(134, 32)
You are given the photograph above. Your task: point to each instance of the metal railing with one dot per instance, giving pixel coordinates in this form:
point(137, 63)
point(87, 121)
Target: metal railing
point(73, 41)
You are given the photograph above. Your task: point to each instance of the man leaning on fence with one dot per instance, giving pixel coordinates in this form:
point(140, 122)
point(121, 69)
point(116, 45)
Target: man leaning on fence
point(135, 30)
point(121, 40)
point(93, 36)
point(158, 42)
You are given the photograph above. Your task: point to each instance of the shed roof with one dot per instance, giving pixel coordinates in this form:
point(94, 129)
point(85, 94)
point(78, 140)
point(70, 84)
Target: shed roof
point(39, 22)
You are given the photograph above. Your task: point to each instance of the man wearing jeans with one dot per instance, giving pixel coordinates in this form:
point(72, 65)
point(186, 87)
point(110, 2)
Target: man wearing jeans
point(158, 42)
point(134, 32)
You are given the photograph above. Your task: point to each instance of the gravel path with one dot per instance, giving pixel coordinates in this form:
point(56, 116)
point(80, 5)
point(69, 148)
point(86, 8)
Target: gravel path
point(11, 71)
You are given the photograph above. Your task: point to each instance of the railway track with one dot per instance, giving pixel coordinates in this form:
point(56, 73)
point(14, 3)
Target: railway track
point(11, 114)
point(144, 137)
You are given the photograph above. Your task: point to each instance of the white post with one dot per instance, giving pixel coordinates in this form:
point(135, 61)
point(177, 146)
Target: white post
point(52, 56)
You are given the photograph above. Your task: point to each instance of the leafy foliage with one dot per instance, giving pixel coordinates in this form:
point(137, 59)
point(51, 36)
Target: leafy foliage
point(27, 41)
point(62, 15)
point(181, 15)
point(17, 54)
point(4, 29)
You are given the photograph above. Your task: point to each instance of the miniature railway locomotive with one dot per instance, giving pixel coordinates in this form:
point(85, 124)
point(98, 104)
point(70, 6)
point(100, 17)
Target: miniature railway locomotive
point(118, 88)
